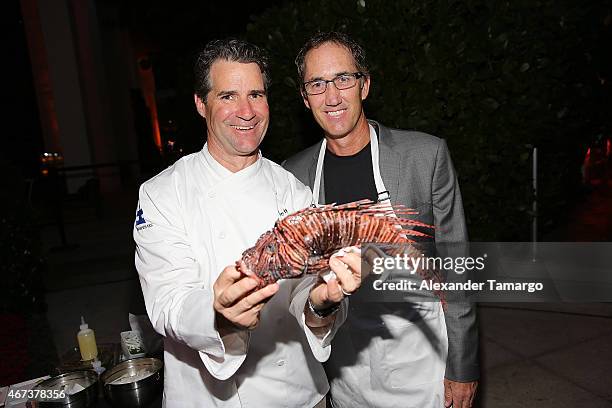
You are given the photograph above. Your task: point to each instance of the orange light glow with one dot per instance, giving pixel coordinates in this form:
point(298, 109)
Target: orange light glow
point(147, 84)
point(41, 74)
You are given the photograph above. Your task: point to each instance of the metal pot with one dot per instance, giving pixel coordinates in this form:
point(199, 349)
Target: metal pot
point(125, 387)
point(87, 397)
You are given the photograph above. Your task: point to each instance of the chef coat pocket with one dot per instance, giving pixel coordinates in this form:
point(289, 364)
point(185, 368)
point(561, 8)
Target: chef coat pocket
point(410, 353)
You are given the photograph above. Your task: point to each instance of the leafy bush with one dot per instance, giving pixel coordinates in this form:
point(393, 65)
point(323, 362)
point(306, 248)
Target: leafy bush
point(494, 78)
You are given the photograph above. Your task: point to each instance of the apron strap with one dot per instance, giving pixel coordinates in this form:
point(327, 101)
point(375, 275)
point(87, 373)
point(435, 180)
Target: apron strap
point(383, 194)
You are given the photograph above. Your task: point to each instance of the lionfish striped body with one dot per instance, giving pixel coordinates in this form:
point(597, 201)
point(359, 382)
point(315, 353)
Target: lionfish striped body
point(304, 241)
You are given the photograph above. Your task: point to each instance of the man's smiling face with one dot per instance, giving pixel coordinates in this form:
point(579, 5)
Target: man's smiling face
point(336, 111)
point(236, 109)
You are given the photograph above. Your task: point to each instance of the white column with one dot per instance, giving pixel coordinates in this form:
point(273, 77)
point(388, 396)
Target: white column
point(62, 62)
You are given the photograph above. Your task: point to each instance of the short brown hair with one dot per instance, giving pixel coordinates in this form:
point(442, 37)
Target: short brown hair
point(336, 37)
point(230, 49)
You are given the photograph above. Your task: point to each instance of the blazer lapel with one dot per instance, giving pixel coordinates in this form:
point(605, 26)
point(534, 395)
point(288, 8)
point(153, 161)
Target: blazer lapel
point(312, 172)
point(389, 161)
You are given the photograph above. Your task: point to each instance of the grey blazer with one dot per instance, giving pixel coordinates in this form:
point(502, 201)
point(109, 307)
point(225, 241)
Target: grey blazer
point(417, 171)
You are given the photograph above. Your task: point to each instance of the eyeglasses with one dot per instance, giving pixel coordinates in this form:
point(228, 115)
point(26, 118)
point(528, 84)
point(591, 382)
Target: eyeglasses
point(342, 81)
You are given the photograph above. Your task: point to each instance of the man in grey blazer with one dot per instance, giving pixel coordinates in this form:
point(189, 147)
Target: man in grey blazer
point(386, 354)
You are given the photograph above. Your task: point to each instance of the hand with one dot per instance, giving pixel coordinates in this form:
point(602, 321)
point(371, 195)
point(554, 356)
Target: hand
point(348, 279)
point(459, 394)
point(237, 303)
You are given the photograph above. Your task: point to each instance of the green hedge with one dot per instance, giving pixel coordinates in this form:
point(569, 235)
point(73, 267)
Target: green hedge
point(494, 78)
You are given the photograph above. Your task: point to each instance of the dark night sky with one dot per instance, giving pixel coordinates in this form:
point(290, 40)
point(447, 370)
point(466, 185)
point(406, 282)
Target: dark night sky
point(182, 26)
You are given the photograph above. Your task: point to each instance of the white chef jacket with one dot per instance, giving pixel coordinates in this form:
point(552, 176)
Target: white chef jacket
point(193, 219)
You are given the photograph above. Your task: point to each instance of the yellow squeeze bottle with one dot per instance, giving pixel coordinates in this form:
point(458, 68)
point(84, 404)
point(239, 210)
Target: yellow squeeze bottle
point(87, 342)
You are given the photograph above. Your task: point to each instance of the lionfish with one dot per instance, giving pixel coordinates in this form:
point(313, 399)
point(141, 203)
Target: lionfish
point(304, 241)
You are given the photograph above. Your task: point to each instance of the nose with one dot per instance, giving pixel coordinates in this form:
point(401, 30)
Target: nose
point(245, 110)
point(332, 95)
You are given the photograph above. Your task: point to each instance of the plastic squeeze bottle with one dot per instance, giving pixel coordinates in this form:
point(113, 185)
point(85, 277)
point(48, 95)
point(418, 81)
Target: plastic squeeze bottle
point(87, 342)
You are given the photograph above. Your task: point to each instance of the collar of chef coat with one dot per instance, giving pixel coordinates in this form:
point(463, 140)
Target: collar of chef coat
point(245, 205)
point(221, 173)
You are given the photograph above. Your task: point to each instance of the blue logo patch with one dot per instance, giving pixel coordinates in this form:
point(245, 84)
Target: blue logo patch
point(139, 218)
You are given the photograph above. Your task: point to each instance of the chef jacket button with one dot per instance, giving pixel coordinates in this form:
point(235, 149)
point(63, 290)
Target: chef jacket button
point(280, 363)
point(211, 194)
point(222, 235)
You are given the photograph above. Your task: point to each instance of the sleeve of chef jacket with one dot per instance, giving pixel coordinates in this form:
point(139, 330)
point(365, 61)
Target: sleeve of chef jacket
point(321, 347)
point(178, 301)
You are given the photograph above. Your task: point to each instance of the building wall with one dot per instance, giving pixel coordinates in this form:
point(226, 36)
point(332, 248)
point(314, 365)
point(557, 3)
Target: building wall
point(83, 70)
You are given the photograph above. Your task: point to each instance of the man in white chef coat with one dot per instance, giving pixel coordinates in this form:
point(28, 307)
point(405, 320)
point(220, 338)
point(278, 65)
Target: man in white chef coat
point(227, 344)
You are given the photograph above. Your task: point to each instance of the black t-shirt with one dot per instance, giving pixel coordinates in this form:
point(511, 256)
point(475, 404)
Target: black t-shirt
point(349, 178)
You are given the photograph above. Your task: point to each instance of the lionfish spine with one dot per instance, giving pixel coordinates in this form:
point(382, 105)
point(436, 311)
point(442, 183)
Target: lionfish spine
point(290, 238)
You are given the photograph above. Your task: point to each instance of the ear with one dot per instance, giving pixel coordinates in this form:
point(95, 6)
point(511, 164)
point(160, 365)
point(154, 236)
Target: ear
point(200, 106)
point(365, 89)
point(305, 99)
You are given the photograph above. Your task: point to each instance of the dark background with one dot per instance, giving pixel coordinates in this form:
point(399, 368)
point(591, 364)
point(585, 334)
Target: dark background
point(493, 78)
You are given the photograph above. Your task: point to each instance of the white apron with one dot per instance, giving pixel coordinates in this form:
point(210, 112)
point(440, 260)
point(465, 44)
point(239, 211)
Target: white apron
point(383, 194)
point(380, 359)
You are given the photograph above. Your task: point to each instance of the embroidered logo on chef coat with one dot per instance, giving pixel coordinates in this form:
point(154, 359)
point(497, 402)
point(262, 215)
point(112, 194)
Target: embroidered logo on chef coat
point(141, 221)
point(139, 218)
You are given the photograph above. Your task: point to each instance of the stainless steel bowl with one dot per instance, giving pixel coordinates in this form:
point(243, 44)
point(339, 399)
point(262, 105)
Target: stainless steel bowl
point(133, 390)
point(87, 397)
